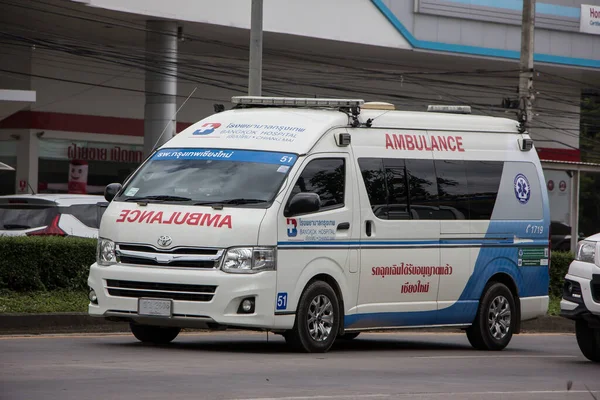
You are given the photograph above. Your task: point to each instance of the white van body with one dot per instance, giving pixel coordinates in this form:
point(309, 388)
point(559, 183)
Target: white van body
point(458, 235)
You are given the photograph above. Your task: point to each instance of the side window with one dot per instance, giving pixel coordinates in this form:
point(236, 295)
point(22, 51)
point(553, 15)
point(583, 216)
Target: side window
point(483, 180)
point(395, 173)
point(423, 190)
point(325, 177)
point(453, 189)
point(375, 181)
point(386, 184)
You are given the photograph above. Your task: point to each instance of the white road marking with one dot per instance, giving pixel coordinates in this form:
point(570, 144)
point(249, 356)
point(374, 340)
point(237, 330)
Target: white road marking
point(429, 394)
point(488, 356)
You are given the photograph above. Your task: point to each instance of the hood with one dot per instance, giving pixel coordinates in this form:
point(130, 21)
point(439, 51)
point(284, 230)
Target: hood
point(187, 225)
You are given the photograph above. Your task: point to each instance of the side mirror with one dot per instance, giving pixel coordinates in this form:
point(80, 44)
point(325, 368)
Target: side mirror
point(304, 203)
point(111, 190)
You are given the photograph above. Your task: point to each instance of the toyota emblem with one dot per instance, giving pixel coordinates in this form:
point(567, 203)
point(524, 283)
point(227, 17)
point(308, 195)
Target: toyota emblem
point(164, 241)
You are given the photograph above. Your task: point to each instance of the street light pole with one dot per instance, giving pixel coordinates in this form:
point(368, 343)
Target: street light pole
point(526, 65)
point(256, 45)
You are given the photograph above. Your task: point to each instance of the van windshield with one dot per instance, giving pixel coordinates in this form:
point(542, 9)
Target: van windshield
point(210, 176)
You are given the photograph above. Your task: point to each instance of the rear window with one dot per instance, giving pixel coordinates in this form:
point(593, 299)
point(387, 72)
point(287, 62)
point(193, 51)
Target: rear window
point(26, 216)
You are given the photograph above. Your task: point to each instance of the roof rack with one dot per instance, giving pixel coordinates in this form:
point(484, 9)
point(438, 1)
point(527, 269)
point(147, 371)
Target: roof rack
point(295, 101)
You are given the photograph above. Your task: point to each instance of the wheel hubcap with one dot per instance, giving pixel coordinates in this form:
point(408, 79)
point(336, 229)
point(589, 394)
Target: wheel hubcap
point(499, 316)
point(320, 318)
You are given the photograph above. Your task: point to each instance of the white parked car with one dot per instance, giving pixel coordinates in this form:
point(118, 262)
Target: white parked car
point(581, 296)
point(51, 214)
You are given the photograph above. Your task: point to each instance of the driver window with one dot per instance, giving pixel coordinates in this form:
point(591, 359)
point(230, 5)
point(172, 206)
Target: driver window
point(325, 177)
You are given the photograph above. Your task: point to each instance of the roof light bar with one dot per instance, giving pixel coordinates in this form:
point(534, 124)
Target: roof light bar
point(450, 109)
point(296, 101)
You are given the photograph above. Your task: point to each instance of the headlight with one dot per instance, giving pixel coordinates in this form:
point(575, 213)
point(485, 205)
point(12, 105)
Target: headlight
point(586, 251)
point(249, 260)
point(106, 252)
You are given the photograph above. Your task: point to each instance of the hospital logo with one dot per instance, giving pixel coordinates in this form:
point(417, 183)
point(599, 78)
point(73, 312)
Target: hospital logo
point(292, 227)
point(522, 189)
point(207, 129)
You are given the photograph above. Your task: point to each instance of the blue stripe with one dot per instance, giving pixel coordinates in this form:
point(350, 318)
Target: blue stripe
point(479, 51)
point(366, 243)
point(264, 157)
point(517, 5)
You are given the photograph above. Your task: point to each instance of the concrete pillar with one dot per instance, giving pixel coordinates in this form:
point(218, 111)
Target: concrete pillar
point(161, 83)
point(27, 161)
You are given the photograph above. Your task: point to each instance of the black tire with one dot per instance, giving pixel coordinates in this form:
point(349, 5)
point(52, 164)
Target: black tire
point(588, 340)
point(300, 338)
point(154, 334)
point(488, 331)
point(348, 336)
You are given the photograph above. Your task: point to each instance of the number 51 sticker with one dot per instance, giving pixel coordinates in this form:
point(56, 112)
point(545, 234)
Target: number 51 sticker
point(281, 301)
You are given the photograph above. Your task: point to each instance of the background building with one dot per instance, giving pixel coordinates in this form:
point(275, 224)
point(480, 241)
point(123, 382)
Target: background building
point(98, 80)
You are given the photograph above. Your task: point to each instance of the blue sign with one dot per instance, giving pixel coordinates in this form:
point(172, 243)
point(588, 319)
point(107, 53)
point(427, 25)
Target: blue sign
point(265, 157)
point(281, 301)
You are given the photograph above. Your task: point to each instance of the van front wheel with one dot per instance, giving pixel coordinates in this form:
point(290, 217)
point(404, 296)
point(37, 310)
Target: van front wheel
point(493, 325)
point(154, 334)
point(588, 340)
point(316, 325)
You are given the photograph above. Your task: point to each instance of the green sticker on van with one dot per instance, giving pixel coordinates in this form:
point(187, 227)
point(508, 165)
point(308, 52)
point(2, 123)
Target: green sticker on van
point(533, 256)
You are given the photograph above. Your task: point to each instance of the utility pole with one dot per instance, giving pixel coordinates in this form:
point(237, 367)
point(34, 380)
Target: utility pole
point(256, 45)
point(526, 94)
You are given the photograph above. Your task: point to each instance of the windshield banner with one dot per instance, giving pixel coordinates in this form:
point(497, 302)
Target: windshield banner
point(264, 157)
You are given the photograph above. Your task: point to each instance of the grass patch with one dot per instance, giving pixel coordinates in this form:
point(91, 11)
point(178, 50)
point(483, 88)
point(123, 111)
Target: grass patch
point(554, 307)
point(43, 302)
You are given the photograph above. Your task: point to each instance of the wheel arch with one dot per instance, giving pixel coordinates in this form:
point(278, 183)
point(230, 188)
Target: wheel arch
point(509, 282)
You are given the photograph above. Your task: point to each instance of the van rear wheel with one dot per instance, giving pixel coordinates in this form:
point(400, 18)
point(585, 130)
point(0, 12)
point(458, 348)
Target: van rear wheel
point(588, 340)
point(316, 325)
point(492, 328)
point(154, 334)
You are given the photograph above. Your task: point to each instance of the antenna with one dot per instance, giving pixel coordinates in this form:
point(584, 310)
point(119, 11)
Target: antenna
point(173, 117)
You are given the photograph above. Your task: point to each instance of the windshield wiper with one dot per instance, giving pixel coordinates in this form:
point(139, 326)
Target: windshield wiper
point(159, 198)
point(237, 201)
point(243, 201)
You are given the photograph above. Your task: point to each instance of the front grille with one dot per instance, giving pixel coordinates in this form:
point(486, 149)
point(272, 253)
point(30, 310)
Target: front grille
point(595, 286)
point(175, 291)
point(178, 257)
point(181, 264)
point(177, 250)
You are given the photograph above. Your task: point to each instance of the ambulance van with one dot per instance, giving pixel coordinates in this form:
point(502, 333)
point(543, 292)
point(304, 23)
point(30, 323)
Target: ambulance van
point(318, 219)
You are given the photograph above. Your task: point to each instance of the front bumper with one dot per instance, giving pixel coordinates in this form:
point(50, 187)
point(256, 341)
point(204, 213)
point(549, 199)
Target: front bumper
point(219, 309)
point(586, 304)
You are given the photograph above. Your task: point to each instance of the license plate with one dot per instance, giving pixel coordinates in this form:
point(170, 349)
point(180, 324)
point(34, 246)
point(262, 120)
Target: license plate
point(155, 307)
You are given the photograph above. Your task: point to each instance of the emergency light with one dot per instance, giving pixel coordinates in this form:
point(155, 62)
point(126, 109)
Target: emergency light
point(296, 101)
point(450, 109)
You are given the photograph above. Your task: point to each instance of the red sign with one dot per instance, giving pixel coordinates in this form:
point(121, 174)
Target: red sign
point(177, 218)
point(75, 152)
point(22, 186)
point(550, 185)
point(562, 186)
point(423, 142)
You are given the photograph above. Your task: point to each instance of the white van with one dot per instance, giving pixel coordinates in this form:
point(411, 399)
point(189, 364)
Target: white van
point(320, 218)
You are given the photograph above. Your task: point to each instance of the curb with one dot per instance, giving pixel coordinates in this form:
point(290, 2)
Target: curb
point(32, 324)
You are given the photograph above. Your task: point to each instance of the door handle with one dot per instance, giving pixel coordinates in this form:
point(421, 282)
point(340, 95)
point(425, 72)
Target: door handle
point(343, 226)
point(368, 228)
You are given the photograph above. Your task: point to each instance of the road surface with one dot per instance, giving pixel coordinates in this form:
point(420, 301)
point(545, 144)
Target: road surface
point(245, 366)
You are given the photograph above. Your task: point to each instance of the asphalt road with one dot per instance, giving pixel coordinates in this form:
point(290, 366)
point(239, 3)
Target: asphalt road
point(246, 366)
